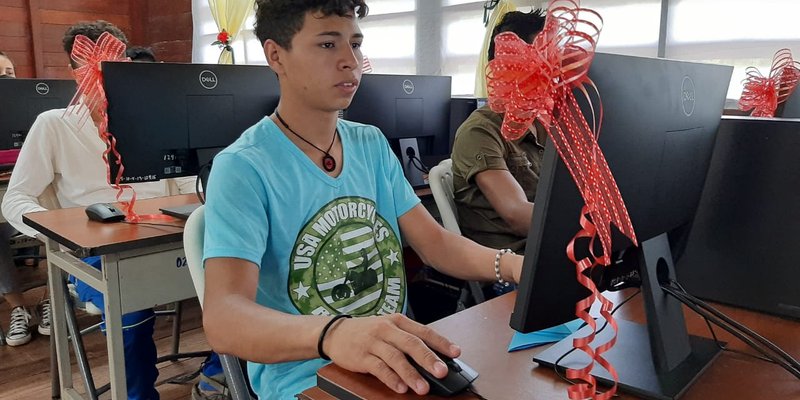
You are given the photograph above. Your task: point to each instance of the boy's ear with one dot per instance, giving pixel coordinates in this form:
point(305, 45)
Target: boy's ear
point(273, 52)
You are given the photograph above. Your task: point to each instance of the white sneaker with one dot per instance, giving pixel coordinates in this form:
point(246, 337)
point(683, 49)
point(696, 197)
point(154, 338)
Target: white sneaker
point(44, 317)
point(18, 332)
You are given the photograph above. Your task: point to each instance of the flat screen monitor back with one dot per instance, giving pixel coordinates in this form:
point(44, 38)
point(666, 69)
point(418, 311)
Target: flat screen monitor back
point(742, 246)
point(406, 107)
point(22, 100)
point(791, 108)
point(170, 119)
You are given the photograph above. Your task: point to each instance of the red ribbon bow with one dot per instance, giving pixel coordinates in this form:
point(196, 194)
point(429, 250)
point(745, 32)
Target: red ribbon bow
point(530, 82)
point(763, 94)
point(88, 56)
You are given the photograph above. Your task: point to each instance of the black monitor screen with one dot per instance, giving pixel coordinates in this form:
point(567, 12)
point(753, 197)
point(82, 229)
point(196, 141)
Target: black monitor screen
point(406, 107)
point(171, 119)
point(21, 100)
point(659, 125)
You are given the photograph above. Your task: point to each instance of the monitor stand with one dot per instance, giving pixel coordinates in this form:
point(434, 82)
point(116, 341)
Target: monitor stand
point(657, 361)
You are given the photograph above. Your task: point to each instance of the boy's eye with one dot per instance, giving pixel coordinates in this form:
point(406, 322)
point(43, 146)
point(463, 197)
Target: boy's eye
point(356, 45)
point(327, 45)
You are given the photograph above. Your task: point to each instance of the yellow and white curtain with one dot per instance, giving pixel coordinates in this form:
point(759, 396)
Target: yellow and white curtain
point(503, 7)
point(230, 15)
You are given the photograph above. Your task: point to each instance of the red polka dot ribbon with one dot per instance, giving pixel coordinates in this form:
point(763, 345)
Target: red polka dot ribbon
point(90, 102)
point(538, 82)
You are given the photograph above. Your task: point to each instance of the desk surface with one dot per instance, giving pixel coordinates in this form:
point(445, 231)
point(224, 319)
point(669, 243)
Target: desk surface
point(71, 227)
point(483, 334)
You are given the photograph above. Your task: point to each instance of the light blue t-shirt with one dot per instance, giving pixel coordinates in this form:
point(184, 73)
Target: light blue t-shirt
point(324, 245)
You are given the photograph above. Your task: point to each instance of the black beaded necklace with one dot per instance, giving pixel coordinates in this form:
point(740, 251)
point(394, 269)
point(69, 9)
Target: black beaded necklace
point(328, 162)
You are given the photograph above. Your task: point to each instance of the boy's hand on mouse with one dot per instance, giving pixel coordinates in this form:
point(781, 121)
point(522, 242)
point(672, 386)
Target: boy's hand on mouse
point(378, 346)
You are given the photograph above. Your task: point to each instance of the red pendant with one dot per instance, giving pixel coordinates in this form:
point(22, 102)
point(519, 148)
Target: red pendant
point(328, 163)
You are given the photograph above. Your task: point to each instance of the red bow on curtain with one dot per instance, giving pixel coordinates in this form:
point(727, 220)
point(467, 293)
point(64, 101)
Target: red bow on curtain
point(763, 94)
point(90, 100)
point(538, 81)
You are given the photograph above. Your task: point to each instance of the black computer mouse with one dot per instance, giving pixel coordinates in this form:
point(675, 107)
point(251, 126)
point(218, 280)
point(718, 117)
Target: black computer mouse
point(459, 376)
point(104, 212)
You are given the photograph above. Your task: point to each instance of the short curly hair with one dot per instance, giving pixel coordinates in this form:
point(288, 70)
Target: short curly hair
point(525, 25)
point(280, 20)
point(92, 30)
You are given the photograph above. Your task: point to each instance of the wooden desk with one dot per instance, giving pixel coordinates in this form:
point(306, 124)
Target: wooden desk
point(483, 334)
point(142, 266)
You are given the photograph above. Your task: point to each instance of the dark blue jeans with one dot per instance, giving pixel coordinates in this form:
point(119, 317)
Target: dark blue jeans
point(137, 338)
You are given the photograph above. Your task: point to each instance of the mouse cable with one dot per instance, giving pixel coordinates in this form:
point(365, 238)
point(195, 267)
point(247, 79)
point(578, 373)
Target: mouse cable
point(471, 389)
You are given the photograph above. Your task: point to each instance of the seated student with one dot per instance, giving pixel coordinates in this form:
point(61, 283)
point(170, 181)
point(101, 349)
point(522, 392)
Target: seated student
point(6, 66)
point(59, 152)
point(303, 219)
point(18, 328)
point(140, 54)
point(494, 180)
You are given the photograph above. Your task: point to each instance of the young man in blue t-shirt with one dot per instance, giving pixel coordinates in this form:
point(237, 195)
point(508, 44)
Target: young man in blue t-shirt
point(303, 220)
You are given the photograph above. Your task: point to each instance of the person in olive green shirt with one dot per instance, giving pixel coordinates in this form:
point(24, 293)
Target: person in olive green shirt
point(494, 180)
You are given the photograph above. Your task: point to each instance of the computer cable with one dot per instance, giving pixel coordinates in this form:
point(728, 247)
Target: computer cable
point(471, 390)
point(415, 161)
point(730, 321)
point(201, 194)
point(785, 361)
point(718, 342)
point(555, 365)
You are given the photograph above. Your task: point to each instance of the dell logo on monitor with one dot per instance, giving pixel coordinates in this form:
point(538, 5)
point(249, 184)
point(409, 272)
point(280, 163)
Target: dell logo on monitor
point(42, 88)
point(687, 96)
point(408, 86)
point(208, 79)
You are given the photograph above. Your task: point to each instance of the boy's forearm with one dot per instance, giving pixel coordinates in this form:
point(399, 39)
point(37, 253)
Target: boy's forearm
point(262, 334)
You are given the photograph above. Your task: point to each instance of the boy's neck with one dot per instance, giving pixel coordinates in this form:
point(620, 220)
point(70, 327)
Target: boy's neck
point(313, 125)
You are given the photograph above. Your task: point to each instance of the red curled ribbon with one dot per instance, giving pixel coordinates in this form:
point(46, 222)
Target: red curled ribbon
point(537, 81)
point(88, 55)
point(763, 94)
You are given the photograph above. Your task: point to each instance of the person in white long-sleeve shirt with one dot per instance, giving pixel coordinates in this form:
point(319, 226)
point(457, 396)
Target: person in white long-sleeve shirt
point(58, 153)
point(62, 153)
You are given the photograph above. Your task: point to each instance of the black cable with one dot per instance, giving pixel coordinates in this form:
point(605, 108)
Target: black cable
point(719, 343)
point(476, 394)
point(730, 321)
point(201, 194)
point(732, 330)
point(421, 167)
point(555, 365)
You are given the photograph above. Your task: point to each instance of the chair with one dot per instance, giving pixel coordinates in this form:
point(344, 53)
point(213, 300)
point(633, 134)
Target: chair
point(193, 247)
point(440, 179)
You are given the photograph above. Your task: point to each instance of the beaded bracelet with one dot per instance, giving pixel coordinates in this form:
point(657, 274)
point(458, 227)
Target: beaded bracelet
point(500, 253)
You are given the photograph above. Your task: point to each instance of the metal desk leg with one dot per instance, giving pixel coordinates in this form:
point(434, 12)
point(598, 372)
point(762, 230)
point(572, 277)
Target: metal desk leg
point(176, 327)
point(55, 383)
point(59, 334)
point(116, 350)
point(77, 346)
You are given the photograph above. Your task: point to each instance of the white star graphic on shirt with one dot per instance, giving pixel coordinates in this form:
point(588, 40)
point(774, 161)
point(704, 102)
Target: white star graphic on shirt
point(302, 291)
point(393, 256)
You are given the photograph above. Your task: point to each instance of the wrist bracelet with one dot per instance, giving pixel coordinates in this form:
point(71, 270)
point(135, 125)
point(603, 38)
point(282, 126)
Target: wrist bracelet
point(499, 254)
point(330, 323)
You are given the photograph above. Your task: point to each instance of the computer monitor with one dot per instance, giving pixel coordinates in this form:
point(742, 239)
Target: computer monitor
point(791, 108)
point(460, 109)
point(22, 100)
point(742, 246)
point(413, 111)
point(171, 119)
point(660, 119)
